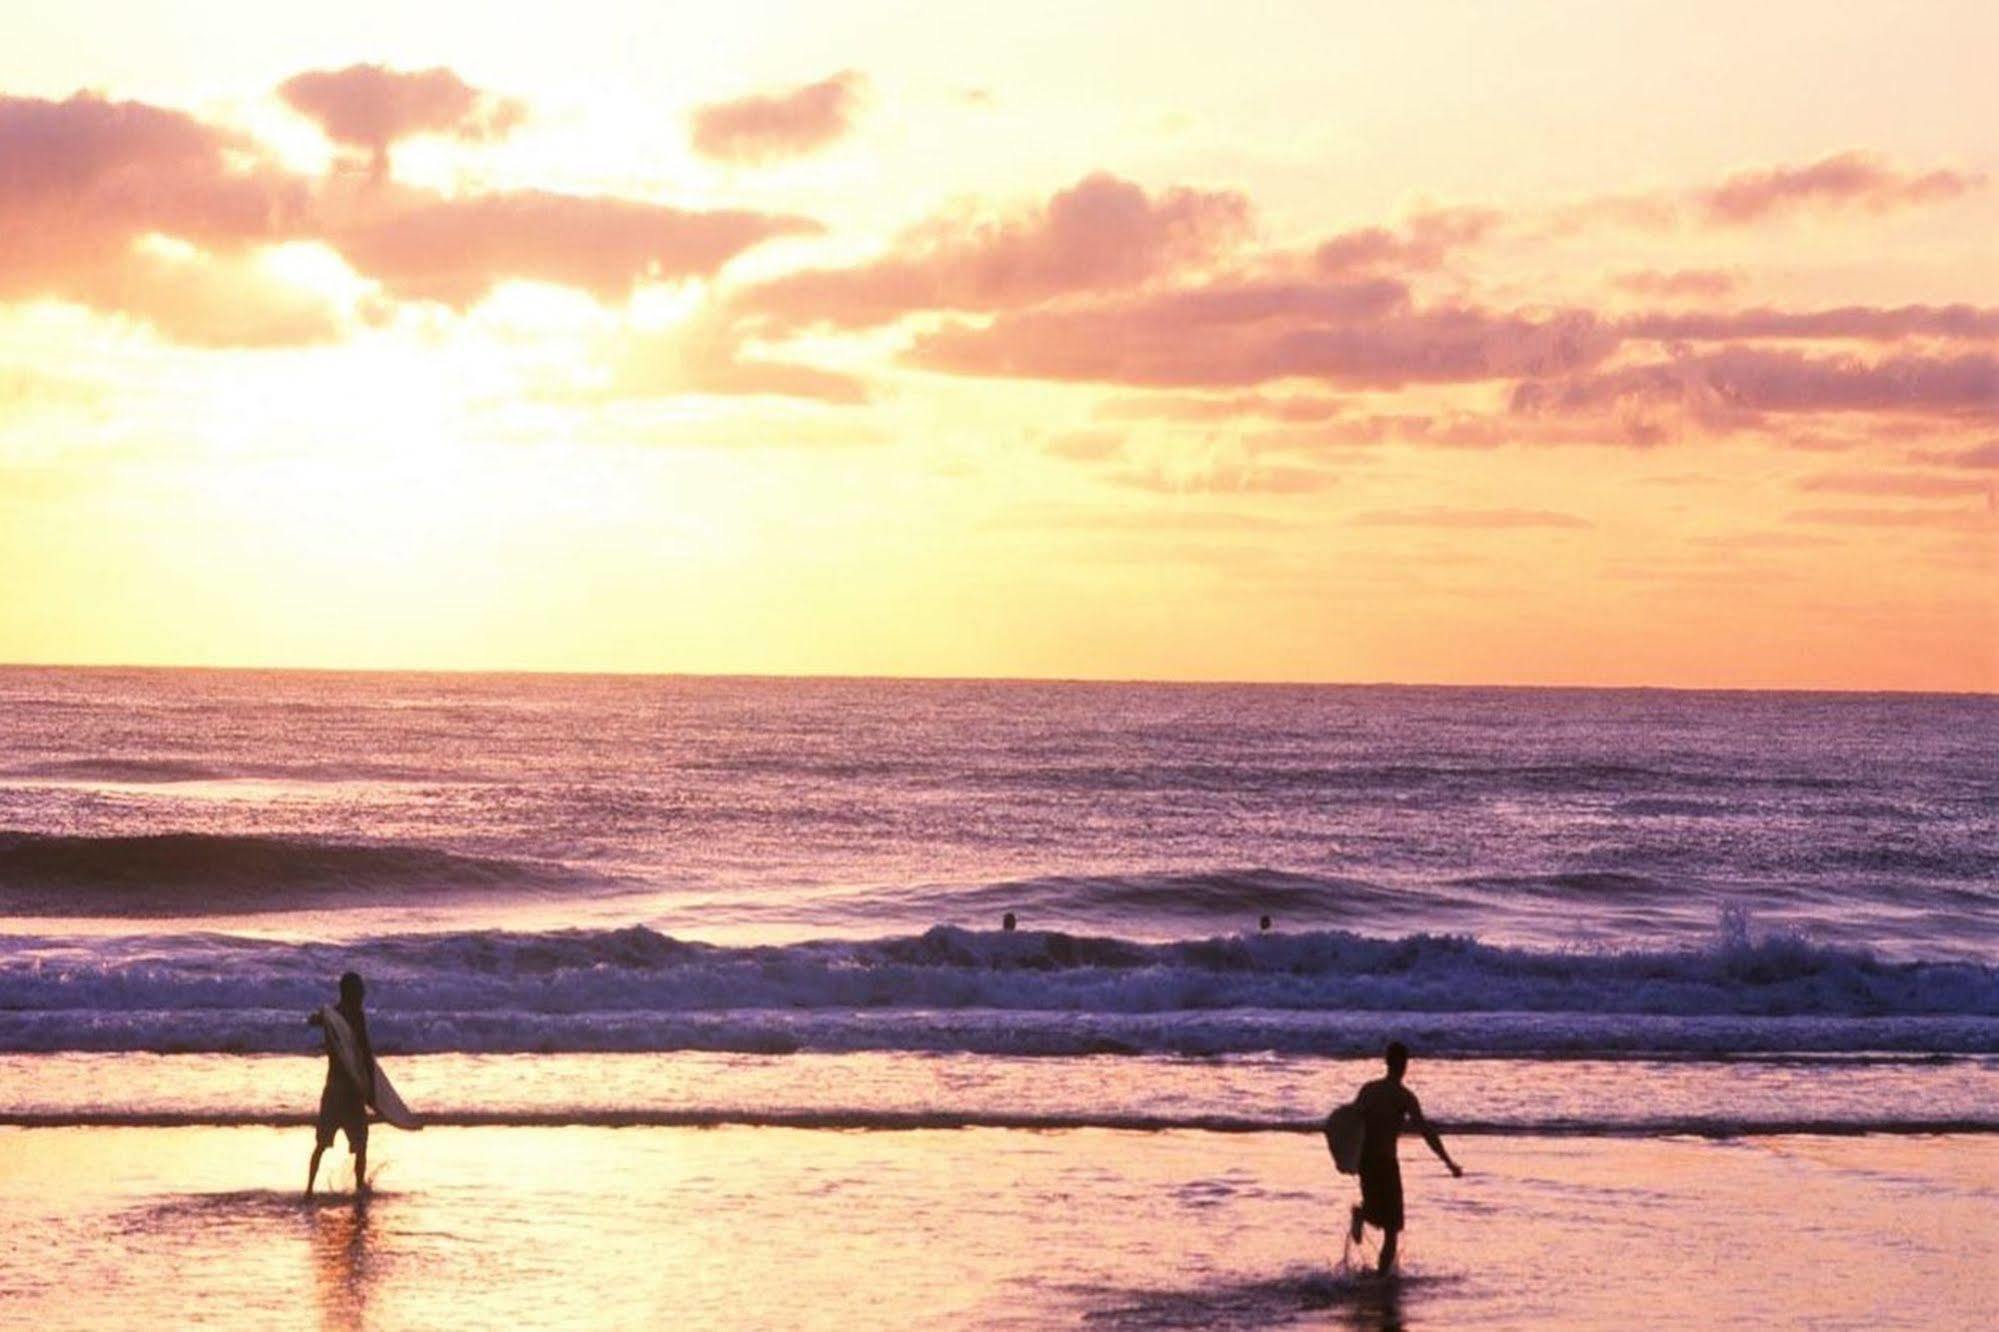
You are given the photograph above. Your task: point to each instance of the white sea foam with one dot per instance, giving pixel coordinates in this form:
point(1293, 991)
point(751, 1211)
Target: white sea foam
point(995, 992)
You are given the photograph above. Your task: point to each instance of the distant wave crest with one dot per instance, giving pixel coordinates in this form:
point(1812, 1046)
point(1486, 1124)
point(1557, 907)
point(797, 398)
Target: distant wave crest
point(188, 873)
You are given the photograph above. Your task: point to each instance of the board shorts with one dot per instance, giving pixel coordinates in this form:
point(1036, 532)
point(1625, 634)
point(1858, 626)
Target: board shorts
point(1381, 1193)
point(341, 1110)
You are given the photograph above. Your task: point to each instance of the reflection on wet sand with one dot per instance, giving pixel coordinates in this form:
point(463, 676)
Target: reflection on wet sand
point(783, 1227)
point(340, 1267)
point(1367, 1302)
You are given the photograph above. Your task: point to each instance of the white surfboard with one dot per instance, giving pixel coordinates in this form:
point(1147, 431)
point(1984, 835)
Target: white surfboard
point(340, 1043)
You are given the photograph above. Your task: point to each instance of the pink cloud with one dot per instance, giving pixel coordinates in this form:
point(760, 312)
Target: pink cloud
point(706, 355)
point(1978, 455)
point(1438, 516)
point(373, 107)
point(1859, 322)
point(84, 179)
point(1100, 234)
point(456, 250)
point(1424, 242)
point(1750, 380)
point(1226, 479)
point(204, 300)
point(771, 127)
point(1949, 519)
point(1849, 179)
point(1206, 407)
point(1905, 484)
point(87, 186)
point(86, 175)
point(1357, 334)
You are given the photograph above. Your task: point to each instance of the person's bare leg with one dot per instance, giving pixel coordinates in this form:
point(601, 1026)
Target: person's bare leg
point(312, 1171)
point(1387, 1264)
point(360, 1170)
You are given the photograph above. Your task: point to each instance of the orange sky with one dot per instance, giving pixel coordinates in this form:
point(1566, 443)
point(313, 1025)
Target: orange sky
point(1536, 343)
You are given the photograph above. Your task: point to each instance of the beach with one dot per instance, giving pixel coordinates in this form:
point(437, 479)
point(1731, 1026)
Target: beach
point(815, 1190)
point(826, 665)
point(703, 990)
point(538, 1226)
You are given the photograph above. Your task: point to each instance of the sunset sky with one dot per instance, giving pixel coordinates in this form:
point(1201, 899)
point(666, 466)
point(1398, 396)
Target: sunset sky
point(1533, 343)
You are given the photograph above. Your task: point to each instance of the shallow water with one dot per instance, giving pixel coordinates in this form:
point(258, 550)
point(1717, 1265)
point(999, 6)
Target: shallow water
point(778, 1227)
point(1626, 1097)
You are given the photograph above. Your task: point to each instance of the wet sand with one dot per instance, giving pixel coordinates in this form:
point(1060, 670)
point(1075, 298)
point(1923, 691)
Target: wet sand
point(555, 1226)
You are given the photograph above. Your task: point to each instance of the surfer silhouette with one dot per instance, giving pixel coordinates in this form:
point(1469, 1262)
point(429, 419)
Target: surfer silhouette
point(350, 1081)
point(1362, 1137)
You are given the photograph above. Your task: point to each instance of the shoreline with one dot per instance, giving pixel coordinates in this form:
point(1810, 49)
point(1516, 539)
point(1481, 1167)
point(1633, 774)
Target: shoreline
point(984, 1227)
point(931, 1122)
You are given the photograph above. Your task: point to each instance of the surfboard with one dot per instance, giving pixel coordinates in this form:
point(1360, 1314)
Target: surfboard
point(1345, 1130)
point(346, 1051)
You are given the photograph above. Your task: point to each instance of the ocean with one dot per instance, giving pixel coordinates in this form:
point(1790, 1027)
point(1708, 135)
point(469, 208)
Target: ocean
point(657, 864)
point(1607, 921)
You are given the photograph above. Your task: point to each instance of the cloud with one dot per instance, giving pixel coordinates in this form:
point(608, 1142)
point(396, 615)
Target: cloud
point(89, 186)
point(1844, 180)
point(1082, 518)
point(1293, 408)
point(1848, 181)
point(84, 176)
point(148, 212)
point(1735, 380)
point(1425, 240)
point(1858, 322)
point(1978, 455)
point(1763, 541)
point(455, 250)
point(1224, 479)
point(1085, 445)
point(1908, 485)
point(1438, 516)
point(1949, 519)
point(1678, 283)
point(1363, 333)
point(705, 355)
point(372, 107)
point(1101, 234)
point(772, 127)
point(202, 300)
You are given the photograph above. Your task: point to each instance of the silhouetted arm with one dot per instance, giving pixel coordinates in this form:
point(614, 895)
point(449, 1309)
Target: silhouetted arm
point(1422, 1125)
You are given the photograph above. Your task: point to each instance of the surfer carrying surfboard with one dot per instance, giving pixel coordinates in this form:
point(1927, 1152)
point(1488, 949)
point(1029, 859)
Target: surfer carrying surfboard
point(350, 1080)
point(1380, 1111)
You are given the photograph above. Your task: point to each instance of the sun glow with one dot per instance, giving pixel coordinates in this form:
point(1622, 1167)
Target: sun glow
point(1019, 369)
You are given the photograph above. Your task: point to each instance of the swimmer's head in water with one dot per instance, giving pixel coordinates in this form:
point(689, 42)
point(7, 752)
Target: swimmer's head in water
point(1397, 1056)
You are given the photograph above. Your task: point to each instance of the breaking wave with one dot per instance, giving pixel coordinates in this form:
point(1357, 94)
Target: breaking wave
point(188, 873)
point(1031, 992)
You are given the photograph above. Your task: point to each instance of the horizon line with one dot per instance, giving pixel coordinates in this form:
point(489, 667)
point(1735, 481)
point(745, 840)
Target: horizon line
point(915, 678)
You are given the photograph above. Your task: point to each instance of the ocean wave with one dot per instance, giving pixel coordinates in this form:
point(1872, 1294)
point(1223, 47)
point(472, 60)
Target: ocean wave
point(1001, 1032)
point(1036, 992)
point(188, 873)
point(165, 771)
point(1229, 893)
point(120, 770)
